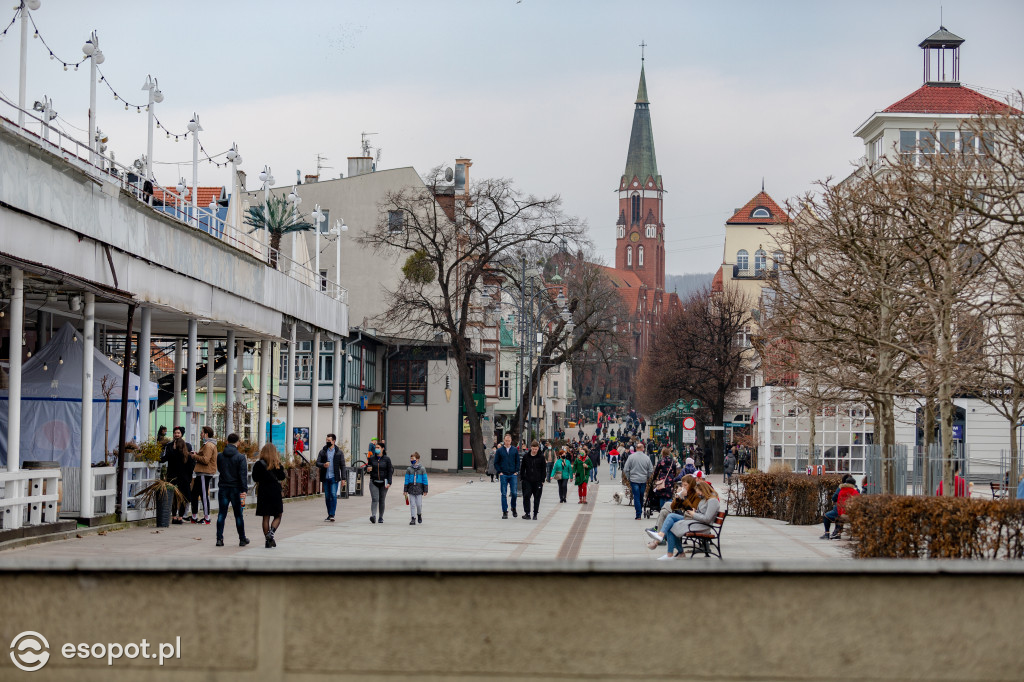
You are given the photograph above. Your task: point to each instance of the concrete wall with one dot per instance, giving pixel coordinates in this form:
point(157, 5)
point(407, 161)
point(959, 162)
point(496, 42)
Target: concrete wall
point(419, 429)
point(286, 619)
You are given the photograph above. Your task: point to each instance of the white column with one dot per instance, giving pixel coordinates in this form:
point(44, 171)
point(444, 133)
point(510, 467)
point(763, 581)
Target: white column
point(264, 407)
point(88, 339)
point(336, 392)
point(178, 366)
point(290, 413)
point(23, 65)
point(94, 146)
point(211, 373)
point(229, 386)
point(314, 388)
point(191, 353)
point(145, 345)
point(14, 378)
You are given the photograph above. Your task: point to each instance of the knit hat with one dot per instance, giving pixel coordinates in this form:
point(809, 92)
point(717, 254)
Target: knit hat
point(689, 460)
point(699, 474)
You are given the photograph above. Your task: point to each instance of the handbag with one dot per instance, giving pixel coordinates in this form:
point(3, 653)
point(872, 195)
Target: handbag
point(558, 475)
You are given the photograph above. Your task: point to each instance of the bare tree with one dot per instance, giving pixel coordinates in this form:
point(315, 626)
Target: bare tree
point(698, 354)
point(448, 258)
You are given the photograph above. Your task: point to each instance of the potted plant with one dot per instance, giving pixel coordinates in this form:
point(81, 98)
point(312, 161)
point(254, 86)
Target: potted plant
point(163, 495)
point(278, 218)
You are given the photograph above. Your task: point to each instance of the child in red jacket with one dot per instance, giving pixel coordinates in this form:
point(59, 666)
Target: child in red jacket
point(846, 490)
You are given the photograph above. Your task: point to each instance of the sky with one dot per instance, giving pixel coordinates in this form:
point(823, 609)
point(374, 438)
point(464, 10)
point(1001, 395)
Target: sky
point(540, 91)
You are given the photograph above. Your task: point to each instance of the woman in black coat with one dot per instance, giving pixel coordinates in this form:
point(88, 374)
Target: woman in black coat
point(267, 474)
point(178, 457)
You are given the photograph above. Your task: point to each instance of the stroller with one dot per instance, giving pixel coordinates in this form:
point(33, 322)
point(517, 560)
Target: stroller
point(653, 500)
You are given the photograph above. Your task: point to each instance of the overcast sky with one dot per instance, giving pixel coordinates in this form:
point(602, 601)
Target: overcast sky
point(541, 91)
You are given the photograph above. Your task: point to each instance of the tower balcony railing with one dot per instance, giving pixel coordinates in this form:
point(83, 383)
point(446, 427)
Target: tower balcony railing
point(104, 169)
point(754, 273)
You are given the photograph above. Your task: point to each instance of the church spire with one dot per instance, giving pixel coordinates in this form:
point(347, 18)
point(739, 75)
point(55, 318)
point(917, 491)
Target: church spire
point(641, 161)
point(641, 92)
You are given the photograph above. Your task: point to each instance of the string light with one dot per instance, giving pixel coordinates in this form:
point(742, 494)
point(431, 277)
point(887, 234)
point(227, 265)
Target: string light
point(49, 49)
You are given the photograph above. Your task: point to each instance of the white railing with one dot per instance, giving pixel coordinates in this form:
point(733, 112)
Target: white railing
point(138, 475)
point(204, 218)
point(104, 490)
point(30, 497)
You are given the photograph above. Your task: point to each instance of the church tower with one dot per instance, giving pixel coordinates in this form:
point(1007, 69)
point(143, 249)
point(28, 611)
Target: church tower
point(640, 231)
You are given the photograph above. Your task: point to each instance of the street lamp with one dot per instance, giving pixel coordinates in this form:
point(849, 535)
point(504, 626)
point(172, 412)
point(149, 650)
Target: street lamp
point(155, 97)
point(24, 8)
point(267, 178)
point(295, 200)
point(92, 51)
point(181, 187)
point(195, 129)
point(334, 235)
point(318, 217)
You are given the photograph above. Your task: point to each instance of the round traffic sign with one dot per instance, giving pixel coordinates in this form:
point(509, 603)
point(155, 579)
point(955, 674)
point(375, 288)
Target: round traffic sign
point(689, 423)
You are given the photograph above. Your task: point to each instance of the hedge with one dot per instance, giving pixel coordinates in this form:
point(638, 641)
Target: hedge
point(903, 527)
point(796, 498)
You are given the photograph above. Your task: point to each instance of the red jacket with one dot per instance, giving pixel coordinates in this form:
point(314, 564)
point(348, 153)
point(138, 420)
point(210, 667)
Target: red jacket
point(846, 491)
point(959, 487)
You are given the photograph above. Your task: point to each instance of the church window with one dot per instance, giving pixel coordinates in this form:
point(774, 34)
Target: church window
point(760, 260)
point(622, 231)
point(640, 255)
point(634, 208)
point(742, 259)
point(629, 256)
point(651, 231)
point(761, 212)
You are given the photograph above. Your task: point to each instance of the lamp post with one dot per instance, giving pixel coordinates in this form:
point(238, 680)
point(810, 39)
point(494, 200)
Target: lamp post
point(335, 236)
point(92, 50)
point(317, 218)
point(295, 200)
point(181, 187)
point(235, 159)
point(26, 5)
point(195, 128)
point(155, 97)
point(267, 178)
point(46, 108)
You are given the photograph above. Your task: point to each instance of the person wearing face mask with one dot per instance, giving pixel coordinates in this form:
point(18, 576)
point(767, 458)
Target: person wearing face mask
point(380, 472)
point(415, 488)
point(330, 463)
point(532, 473)
point(581, 474)
point(562, 471)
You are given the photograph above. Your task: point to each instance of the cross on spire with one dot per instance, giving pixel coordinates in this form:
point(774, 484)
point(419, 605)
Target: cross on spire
point(642, 46)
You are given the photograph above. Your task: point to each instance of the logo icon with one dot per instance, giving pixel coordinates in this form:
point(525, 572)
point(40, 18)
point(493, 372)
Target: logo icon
point(29, 651)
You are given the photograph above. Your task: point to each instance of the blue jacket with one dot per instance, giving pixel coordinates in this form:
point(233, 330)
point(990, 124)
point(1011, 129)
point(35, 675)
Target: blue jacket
point(507, 461)
point(415, 480)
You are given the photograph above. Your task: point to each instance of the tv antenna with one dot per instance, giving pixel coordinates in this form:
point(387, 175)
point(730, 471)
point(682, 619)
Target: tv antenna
point(366, 143)
point(320, 158)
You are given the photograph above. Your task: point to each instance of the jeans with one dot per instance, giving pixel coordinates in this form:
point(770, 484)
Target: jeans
point(377, 495)
point(331, 495)
point(614, 468)
point(593, 474)
point(533, 490)
point(232, 497)
point(832, 516)
point(638, 496)
point(508, 481)
point(550, 466)
point(563, 489)
point(670, 521)
point(674, 542)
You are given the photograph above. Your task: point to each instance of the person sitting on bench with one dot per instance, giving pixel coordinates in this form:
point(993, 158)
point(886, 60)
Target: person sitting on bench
point(844, 492)
point(698, 520)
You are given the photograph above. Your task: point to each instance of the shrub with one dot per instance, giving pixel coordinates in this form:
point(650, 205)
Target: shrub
point(904, 527)
point(796, 498)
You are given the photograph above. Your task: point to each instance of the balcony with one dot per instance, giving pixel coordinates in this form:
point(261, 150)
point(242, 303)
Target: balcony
point(754, 273)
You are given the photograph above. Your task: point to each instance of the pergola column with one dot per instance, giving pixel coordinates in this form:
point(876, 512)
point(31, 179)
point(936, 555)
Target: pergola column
point(191, 353)
point(14, 378)
point(290, 412)
point(178, 366)
point(229, 386)
point(264, 407)
point(314, 391)
point(145, 345)
point(88, 340)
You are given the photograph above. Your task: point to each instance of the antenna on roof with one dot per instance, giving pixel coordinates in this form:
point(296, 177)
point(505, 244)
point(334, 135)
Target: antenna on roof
point(366, 143)
point(320, 158)
point(762, 183)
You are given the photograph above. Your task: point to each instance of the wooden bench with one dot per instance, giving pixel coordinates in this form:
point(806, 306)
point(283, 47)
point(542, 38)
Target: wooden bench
point(708, 541)
point(1000, 491)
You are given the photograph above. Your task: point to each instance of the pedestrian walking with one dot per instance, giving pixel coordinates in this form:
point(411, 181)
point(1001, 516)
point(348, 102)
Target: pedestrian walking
point(730, 465)
point(490, 465)
point(178, 457)
point(233, 483)
point(549, 460)
point(380, 472)
point(613, 462)
point(267, 474)
point(581, 474)
point(561, 472)
point(330, 464)
point(205, 469)
point(595, 463)
point(415, 488)
point(638, 469)
point(506, 464)
point(532, 472)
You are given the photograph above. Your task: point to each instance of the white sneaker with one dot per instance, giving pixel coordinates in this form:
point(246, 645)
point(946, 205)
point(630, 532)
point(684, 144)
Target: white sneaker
point(665, 557)
point(654, 535)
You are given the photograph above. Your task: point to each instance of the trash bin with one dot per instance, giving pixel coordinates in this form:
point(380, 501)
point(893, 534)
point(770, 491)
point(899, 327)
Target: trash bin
point(355, 480)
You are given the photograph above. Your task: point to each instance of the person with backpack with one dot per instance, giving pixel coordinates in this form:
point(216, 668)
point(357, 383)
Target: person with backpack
point(415, 488)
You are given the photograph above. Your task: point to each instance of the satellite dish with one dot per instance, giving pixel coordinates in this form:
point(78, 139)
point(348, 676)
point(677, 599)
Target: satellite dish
point(448, 174)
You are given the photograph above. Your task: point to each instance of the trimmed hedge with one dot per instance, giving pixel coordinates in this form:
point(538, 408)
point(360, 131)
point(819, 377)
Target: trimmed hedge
point(904, 527)
point(796, 498)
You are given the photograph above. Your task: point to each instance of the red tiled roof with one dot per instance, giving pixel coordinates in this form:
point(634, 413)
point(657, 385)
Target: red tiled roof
point(622, 279)
point(717, 285)
point(204, 195)
point(948, 99)
point(760, 200)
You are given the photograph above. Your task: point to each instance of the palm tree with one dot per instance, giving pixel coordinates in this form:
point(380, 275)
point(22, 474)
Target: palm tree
point(279, 219)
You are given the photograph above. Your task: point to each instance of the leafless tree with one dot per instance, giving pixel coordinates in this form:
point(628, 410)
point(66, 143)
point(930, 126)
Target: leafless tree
point(449, 256)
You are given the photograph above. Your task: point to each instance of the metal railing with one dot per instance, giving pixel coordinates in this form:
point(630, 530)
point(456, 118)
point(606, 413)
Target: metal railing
point(29, 497)
point(138, 475)
point(205, 218)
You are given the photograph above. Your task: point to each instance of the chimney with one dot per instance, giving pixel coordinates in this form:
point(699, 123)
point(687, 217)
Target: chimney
point(462, 175)
point(312, 178)
point(359, 165)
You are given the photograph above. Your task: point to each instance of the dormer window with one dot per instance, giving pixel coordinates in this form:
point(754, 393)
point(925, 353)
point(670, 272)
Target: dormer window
point(761, 212)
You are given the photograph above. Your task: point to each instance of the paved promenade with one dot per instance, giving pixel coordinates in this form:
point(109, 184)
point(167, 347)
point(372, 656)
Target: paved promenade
point(462, 520)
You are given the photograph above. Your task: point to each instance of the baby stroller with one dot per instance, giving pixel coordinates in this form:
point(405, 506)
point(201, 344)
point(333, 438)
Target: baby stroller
point(652, 499)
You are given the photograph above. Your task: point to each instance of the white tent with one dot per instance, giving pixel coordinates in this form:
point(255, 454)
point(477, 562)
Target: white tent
point(51, 403)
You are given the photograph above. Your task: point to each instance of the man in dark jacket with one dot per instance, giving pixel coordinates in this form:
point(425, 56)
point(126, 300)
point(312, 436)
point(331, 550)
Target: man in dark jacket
point(506, 463)
point(595, 462)
point(233, 482)
point(380, 471)
point(330, 464)
point(532, 471)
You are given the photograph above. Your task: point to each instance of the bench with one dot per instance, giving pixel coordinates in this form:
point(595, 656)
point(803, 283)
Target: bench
point(1000, 491)
point(707, 541)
